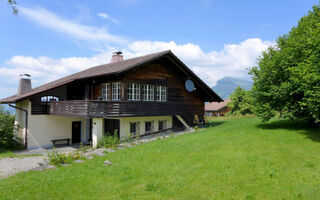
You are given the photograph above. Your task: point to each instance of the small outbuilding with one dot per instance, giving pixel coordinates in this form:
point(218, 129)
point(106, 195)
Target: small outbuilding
point(217, 108)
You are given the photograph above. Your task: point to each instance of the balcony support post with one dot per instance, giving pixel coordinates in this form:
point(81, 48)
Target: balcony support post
point(97, 130)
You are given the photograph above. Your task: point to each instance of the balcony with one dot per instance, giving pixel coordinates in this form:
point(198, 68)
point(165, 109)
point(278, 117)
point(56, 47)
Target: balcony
point(90, 108)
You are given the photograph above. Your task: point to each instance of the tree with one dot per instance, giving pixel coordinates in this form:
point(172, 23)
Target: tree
point(13, 5)
point(6, 130)
point(287, 78)
point(241, 102)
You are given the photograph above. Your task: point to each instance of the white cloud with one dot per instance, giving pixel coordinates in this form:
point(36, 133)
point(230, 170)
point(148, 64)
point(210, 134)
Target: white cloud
point(68, 27)
point(44, 69)
point(233, 60)
point(106, 16)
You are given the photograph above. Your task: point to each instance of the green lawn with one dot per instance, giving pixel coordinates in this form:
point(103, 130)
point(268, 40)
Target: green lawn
point(6, 153)
point(237, 159)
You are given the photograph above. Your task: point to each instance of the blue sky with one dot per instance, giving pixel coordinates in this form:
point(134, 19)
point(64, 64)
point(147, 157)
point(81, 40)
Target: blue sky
point(215, 38)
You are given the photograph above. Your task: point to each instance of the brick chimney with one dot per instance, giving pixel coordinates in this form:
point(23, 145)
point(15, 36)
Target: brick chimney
point(24, 84)
point(116, 57)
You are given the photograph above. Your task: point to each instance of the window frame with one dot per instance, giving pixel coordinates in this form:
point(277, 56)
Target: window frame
point(116, 91)
point(163, 125)
point(148, 92)
point(133, 91)
point(161, 93)
point(105, 91)
point(151, 126)
point(49, 98)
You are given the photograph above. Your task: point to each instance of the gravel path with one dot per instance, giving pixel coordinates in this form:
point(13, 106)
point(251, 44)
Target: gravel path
point(11, 166)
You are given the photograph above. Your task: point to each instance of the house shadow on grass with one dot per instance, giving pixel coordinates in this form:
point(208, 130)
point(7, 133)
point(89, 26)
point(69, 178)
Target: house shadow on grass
point(213, 124)
point(302, 127)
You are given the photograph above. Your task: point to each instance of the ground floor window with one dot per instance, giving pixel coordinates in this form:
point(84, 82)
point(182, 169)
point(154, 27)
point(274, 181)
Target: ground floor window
point(162, 125)
point(149, 127)
point(134, 128)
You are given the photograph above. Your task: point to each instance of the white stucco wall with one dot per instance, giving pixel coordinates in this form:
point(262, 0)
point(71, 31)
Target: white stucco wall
point(44, 128)
point(125, 123)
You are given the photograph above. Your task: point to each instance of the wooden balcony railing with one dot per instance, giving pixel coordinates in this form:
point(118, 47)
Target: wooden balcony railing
point(89, 108)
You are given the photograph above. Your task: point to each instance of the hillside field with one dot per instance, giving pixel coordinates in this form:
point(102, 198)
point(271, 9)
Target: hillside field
point(237, 158)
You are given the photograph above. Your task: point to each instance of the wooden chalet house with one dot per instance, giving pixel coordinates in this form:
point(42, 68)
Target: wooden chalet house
point(142, 95)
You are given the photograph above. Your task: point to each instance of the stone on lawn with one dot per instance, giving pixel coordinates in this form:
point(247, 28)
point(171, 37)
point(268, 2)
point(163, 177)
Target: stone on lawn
point(107, 162)
point(100, 154)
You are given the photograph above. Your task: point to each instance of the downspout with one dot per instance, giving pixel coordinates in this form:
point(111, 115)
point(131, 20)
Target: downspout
point(26, 131)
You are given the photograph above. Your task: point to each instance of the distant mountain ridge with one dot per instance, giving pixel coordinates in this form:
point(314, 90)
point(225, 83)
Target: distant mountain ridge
point(227, 85)
point(8, 108)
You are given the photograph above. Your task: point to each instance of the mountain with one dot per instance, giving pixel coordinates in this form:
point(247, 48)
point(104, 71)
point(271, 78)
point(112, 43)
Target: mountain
point(227, 85)
point(8, 108)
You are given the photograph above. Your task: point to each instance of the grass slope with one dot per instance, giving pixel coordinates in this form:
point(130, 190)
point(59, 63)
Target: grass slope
point(237, 159)
point(6, 153)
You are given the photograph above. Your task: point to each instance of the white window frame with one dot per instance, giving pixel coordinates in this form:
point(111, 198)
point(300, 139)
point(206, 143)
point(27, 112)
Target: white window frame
point(148, 92)
point(151, 126)
point(133, 91)
point(116, 91)
point(164, 125)
point(105, 91)
point(49, 98)
point(161, 93)
point(137, 130)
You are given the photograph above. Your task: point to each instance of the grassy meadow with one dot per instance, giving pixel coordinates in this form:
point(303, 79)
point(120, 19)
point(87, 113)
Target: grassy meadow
point(239, 158)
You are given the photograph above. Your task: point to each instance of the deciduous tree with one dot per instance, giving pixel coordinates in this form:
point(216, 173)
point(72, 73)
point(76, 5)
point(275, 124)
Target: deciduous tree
point(287, 77)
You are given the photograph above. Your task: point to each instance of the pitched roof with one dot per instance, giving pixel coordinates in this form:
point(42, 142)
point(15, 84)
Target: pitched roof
point(106, 69)
point(215, 106)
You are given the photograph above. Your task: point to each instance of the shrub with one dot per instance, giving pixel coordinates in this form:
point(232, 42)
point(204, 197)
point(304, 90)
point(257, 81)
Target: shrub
point(55, 158)
point(108, 142)
point(128, 138)
point(84, 148)
point(7, 139)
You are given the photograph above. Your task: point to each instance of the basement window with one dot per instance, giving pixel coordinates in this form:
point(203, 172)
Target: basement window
point(149, 127)
point(134, 128)
point(162, 125)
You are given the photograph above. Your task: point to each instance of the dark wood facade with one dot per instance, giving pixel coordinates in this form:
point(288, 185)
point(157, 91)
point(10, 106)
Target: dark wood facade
point(81, 98)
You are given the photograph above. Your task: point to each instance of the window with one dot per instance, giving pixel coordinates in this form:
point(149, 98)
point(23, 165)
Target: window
point(133, 91)
point(148, 92)
point(162, 125)
point(116, 91)
point(105, 91)
point(149, 127)
point(49, 98)
point(161, 93)
point(134, 128)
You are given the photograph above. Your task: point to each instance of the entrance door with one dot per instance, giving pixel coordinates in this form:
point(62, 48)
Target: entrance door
point(112, 126)
point(76, 132)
